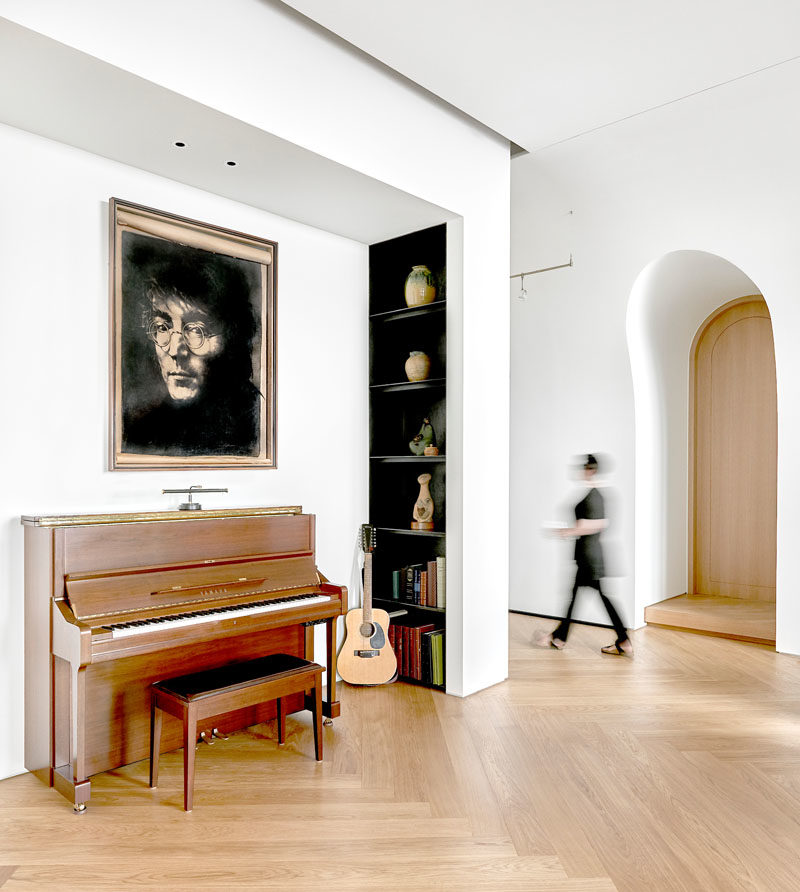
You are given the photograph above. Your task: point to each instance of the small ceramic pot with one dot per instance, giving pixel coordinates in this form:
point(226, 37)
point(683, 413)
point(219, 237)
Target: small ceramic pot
point(418, 366)
point(420, 289)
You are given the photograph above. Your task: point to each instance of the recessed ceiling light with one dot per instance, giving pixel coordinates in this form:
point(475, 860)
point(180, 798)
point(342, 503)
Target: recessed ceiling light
point(180, 145)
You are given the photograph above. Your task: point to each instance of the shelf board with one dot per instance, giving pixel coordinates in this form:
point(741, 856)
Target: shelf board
point(405, 605)
point(408, 458)
point(428, 384)
point(433, 534)
point(409, 312)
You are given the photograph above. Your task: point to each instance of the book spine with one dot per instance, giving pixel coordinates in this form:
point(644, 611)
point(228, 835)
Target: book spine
point(423, 588)
point(425, 657)
point(396, 585)
point(432, 602)
point(440, 582)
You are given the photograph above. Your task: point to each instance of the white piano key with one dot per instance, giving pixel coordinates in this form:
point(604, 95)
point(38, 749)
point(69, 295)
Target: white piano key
point(247, 610)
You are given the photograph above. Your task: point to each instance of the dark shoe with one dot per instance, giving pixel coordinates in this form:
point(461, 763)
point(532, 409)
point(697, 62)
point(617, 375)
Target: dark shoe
point(616, 650)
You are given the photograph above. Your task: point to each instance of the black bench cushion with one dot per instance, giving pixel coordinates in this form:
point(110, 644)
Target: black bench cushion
point(232, 676)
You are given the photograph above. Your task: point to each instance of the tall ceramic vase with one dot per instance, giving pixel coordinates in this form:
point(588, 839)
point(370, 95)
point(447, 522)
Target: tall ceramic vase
point(420, 289)
point(423, 507)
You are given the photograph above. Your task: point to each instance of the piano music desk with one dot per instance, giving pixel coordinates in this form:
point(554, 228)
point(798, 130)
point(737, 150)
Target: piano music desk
point(213, 692)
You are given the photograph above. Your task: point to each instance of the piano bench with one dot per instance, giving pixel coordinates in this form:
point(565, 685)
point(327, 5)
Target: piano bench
point(212, 692)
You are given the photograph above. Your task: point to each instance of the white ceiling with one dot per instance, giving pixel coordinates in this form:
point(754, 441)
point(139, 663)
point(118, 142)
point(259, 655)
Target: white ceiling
point(140, 121)
point(542, 71)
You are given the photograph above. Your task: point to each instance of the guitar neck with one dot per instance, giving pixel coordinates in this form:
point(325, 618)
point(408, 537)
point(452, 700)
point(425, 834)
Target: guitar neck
point(367, 606)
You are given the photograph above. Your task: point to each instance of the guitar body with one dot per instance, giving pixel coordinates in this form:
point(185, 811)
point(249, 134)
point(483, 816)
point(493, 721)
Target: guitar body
point(366, 659)
point(366, 656)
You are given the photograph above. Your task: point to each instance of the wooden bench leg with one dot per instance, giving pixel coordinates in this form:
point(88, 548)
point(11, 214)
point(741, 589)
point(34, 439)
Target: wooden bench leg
point(189, 740)
point(156, 717)
point(317, 712)
point(281, 722)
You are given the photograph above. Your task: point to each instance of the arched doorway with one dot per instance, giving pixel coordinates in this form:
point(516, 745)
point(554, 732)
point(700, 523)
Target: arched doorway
point(670, 300)
point(733, 443)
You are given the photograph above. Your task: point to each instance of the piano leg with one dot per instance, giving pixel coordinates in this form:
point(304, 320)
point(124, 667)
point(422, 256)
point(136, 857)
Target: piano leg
point(156, 718)
point(67, 754)
point(330, 707)
point(189, 741)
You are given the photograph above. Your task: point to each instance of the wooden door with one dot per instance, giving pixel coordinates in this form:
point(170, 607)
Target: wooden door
point(733, 461)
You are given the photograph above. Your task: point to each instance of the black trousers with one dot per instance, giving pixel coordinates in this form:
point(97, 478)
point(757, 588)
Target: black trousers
point(584, 578)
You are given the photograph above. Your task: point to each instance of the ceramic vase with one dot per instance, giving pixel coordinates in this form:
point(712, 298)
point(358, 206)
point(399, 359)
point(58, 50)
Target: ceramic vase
point(423, 507)
point(420, 289)
point(418, 366)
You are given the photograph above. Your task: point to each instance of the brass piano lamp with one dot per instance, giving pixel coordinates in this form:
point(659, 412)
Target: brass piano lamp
point(190, 505)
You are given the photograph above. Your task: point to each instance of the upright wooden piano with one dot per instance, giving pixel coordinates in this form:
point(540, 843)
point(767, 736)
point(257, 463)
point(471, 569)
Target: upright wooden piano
point(114, 602)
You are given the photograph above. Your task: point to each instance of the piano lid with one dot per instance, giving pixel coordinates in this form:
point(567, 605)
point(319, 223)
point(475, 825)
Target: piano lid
point(71, 520)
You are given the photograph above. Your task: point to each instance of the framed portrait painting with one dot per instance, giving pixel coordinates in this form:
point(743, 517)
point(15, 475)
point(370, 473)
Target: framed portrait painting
point(192, 343)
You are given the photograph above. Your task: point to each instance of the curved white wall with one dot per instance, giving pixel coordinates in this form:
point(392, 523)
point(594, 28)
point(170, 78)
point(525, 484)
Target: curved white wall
point(669, 301)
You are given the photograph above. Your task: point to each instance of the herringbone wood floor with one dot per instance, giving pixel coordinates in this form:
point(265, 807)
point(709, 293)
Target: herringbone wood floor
point(676, 770)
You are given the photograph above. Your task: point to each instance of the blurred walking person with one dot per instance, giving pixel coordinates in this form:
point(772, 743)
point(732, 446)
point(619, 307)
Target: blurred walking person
point(590, 521)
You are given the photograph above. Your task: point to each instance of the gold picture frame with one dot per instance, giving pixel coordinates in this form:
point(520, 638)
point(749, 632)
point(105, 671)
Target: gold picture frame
point(193, 327)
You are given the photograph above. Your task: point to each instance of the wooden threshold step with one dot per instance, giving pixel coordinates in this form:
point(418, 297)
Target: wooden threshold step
point(724, 617)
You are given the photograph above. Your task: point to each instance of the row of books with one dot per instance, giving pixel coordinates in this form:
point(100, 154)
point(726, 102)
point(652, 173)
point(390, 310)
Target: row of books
point(420, 651)
point(422, 584)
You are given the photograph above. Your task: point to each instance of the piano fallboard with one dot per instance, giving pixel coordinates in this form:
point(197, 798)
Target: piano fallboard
point(112, 592)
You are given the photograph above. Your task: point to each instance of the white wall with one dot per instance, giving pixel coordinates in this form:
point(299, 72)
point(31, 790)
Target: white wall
point(715, 173)
point(258, 62)
point(54, 369)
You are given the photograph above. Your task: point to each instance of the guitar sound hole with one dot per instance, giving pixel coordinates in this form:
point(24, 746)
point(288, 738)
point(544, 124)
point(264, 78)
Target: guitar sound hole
point(366, 630)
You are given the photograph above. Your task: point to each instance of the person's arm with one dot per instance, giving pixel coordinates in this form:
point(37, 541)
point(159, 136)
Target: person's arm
point(584, 527)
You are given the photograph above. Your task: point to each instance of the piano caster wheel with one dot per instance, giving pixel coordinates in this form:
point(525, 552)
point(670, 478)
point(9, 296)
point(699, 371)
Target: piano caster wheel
point(327, 721)
point(79, 808)
point(218, 734)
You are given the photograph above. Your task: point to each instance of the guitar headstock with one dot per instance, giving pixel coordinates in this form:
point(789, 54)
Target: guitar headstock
point(368, 536)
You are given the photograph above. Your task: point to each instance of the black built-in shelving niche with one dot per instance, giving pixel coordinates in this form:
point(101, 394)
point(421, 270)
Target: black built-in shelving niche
point(397, 408)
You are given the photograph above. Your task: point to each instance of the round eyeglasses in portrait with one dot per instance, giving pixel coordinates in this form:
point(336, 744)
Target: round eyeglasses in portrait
point(194, 334)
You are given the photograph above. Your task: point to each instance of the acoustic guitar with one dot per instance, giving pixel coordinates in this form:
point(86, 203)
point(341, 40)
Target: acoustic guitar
point(366, 657)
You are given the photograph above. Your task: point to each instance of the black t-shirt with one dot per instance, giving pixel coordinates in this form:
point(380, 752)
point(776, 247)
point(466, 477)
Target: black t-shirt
point(588, 549)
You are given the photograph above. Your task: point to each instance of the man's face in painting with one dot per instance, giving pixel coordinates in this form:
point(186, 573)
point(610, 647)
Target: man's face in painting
point(185, 339)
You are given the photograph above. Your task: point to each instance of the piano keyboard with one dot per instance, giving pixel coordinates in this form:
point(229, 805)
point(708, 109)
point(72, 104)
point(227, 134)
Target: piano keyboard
point(139, 627)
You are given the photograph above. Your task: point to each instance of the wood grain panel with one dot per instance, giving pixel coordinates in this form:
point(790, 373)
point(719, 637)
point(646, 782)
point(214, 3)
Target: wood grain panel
point(118, 694)
point(91, 548)
point(193, 586)
point(747, 620)
point(735, 455)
